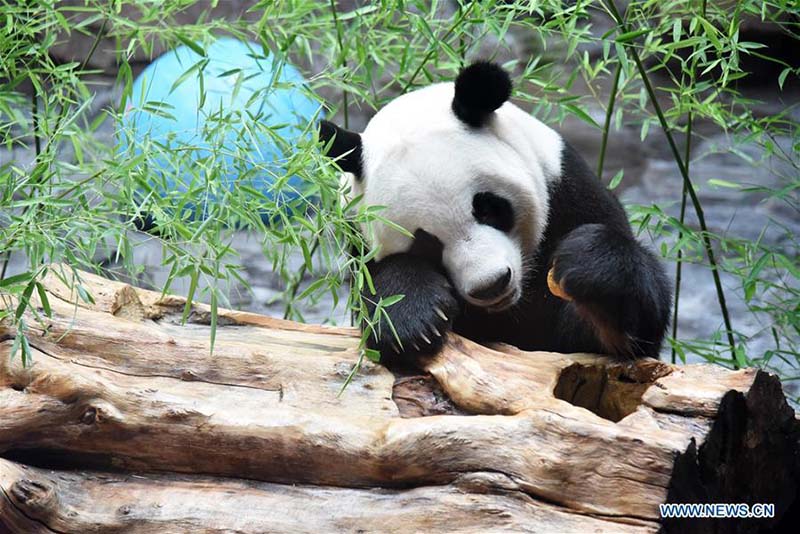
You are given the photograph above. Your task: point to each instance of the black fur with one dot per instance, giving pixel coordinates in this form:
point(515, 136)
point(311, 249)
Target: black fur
point(346, 146)
point(621, 296)
point(480, 89)
point(425, 315)
point(621, 293)
point(496, 211)
point(619, 288)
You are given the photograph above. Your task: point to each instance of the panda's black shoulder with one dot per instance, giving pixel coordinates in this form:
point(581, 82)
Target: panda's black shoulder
point(573, 165)
point(579, 197)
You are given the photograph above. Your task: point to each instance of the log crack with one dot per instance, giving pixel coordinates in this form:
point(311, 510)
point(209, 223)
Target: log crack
point(187, 376)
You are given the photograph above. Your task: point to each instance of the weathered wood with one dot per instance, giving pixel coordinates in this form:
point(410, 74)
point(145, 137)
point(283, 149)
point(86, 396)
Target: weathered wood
point(34, 500)
point(526, 437)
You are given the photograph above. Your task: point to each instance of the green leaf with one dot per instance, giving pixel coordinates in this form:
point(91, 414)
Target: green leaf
point(83, 294)
point(581, 114)
point(314, 286)
point(711, 33)
point(677, 26)
point(373, 355)
point(390, 324)
point(630, 36)
point(194, 69)
point(740, 356)
point(16, 279)
point(25, 299)
point(645, 129)
point(724, 183)
point(353, 371)
point(360, 12)
point(196, 48)
point(389, 301)
point(17, 343)
point(187, 307)
point(750, 290)
point(306, 255)
point(782, 77)
point(615, 181)
point(213, 320)
point(26, 352)
point(45, 301)
point(395, 226)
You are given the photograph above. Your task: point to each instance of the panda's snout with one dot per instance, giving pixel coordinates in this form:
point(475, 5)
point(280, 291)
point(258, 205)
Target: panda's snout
point(486, 268)
point(494, 290)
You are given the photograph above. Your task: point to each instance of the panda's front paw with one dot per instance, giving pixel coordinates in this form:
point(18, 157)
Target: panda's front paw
point(421, 319)
point(615, 284)
point(421, 324)
point(592, 263)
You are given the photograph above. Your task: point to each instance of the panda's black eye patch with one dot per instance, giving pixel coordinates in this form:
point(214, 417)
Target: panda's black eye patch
point(493, 210)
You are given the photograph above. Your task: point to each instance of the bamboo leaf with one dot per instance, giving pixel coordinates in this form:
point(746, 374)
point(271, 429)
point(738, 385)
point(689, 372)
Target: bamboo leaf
point(630, 36)
point(193, 46)
point(16, 279)
point(214, 318)
point(616, 180)
point(187, 307)
point(45, 301)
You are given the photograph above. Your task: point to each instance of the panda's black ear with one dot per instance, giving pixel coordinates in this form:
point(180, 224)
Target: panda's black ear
point(346, 146)
point(481, 88)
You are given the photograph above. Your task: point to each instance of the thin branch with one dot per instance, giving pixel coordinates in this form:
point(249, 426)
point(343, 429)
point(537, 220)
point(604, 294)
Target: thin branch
point(698, 208)
point(687, 160)
point(607, 125)
point(37, 137)
point(296, 283)
point(679, 261)
point(429, 55)
point(343, 58)
point(59, 120)
point(302, 271)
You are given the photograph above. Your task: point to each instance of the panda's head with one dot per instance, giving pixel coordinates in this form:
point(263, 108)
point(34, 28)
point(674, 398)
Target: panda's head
point(459, 162)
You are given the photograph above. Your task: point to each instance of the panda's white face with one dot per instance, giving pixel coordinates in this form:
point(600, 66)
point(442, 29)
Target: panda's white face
point(481, 191)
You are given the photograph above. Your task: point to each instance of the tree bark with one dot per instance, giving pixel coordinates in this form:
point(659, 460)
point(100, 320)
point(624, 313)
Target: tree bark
point(126, 422)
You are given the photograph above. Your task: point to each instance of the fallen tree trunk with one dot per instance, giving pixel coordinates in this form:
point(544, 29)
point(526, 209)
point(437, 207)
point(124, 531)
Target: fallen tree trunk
point(483, 439)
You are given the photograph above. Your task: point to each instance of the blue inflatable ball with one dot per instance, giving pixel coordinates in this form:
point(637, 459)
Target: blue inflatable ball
point(233, 111)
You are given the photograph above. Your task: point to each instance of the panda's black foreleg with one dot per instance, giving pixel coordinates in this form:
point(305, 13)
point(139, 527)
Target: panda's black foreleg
point(422, 318)
point(618, 289)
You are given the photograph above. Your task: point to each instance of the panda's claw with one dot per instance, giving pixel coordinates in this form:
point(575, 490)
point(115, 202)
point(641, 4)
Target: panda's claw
point(419, 322)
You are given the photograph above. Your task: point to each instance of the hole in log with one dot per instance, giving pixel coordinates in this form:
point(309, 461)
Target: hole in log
point(610, 391)
point(418, 395)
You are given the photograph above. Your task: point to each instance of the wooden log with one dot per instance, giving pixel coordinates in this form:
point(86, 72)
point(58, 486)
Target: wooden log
point(34, 500)
point(530, 440)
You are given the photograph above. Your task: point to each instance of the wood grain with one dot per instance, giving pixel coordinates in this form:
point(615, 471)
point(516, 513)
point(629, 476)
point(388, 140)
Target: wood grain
point(529, 441)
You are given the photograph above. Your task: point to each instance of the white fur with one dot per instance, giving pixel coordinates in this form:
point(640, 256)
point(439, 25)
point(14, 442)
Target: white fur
point(425, 165)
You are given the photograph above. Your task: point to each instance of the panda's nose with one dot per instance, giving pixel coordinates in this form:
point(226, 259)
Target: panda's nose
point(494, 289)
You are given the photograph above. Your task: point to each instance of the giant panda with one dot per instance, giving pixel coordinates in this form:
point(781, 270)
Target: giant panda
point(495, 200)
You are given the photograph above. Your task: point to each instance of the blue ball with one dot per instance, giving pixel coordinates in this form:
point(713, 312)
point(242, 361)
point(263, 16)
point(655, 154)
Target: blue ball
point(167, 113)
